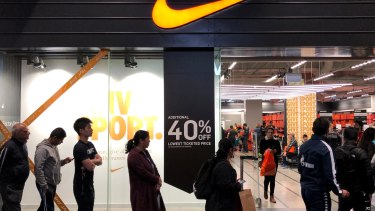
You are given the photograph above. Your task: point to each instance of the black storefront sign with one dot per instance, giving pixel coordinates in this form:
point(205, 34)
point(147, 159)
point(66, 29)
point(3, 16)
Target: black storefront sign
point(188, 114)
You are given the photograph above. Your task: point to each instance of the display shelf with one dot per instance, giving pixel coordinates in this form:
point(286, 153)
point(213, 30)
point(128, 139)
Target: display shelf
point(277, 120)
point(343, 118)
point(370, 118)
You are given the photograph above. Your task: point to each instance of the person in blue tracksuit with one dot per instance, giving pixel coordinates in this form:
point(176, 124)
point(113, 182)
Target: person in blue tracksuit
point(317, 169)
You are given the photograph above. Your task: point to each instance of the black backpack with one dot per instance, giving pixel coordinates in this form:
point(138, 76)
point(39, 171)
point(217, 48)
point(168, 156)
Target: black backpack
point(202, 186)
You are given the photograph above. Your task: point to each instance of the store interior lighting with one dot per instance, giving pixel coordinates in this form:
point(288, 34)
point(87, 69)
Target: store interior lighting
point(271, 79)
point(130, 62)
point(369, 78)
point(36, 61)
point(330, 96)
point(363, 64)
point(354, 91)
point(323, 76)
point(232, 65)
point(245, 92)
point(299, 64)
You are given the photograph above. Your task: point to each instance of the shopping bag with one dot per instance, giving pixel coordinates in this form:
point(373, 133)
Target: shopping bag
point(247, 200)
point(268, 165)
point(292, 149)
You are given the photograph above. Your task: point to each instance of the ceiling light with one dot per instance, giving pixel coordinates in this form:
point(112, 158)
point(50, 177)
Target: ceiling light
point(363, 64)
point(271, 79)
point(243, 92)
point(130, 62)
point(82, 60)
point(323, 76)
point(232, 65)
point(299, 64)
point(354, 91)
point(369, 78)
point(36, 62)
point(330, 96)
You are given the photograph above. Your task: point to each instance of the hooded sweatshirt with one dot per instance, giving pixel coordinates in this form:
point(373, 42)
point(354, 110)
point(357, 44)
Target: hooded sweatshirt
point(47, 164)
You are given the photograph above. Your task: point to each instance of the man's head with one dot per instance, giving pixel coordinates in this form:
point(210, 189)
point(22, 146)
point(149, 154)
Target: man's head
point(350, 134)
point(20, 132)
point(291, 136)
point(320, 126)
point(358, 125)
point(83, 127)
point(305, 137)
point(269, 132)
point(57, 136)
point(244, 125)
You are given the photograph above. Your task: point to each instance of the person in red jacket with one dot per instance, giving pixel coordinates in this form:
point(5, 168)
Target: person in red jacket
point(145, 181)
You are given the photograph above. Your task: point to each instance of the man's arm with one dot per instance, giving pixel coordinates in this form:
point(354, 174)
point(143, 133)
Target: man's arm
point(3, 155)
point(40, 160)
point(88, 164)
point(329, 170)
point(97, 160)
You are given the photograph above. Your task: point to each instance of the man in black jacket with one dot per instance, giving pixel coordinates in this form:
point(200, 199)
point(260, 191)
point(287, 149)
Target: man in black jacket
point(14, 168)
point(317, 169)
point(354, 173)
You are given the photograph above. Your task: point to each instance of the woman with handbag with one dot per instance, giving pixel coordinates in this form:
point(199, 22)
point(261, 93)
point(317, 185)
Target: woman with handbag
point(269, 143)
point(145, 181)
point(291, 150)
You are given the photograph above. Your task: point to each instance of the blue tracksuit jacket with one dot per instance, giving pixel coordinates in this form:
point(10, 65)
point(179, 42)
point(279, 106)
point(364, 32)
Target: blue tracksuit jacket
point(317, 166)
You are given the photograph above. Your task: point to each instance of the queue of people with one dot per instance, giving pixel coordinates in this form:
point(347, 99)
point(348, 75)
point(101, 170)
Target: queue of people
point(347, 170)
point(145, 180)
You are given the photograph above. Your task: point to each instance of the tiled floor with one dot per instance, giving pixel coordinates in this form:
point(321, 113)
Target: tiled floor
point(287, 191)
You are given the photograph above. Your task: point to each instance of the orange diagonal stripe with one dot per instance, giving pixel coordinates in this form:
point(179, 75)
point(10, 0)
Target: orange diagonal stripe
point(66, 86)
point(49, 102)
point(5, 133)
point(166, 17)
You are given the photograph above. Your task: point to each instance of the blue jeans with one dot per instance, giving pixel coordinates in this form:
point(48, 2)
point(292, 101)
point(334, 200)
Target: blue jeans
point(47, 198)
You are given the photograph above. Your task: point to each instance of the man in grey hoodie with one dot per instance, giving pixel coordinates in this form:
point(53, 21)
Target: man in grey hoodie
point(47, 168)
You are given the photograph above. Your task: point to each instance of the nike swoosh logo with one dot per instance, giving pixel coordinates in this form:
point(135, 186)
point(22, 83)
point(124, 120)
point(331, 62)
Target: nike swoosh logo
point(113, 170)
point(168, 18)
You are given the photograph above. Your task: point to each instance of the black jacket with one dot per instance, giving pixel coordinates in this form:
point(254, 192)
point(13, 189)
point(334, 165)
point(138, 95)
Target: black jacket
point(317, 166)
point(354, 171)
point(226, 188)
point(14, 164)
point(270, 144)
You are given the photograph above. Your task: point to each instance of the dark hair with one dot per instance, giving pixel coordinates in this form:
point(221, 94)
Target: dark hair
point(58, 133)
point(81, 123)
point(139, 135)
point(224, 146)
point(360, 123)
point(320, 126)
point(351, 134)
point(270, 128)
point(244, 124)
point(366, 141)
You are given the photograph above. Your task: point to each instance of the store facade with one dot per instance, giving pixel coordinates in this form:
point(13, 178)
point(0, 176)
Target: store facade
point(174, 93)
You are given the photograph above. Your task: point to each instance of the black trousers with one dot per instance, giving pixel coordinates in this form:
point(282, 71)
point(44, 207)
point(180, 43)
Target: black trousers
point(85, 196)
point(316, 201)
point(11, 196)
point(269, 180)
point(357, 200)
point(46, 202)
